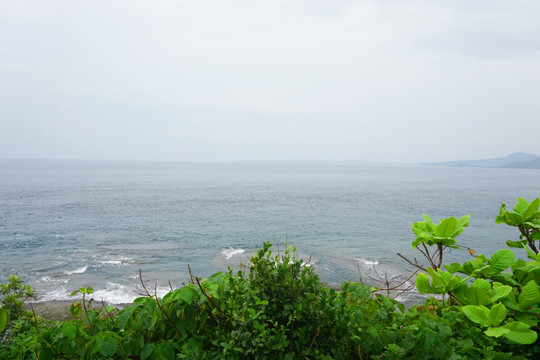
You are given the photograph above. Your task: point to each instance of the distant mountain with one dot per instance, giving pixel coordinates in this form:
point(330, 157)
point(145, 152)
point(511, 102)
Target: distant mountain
point(533, 164)
point(517, 160)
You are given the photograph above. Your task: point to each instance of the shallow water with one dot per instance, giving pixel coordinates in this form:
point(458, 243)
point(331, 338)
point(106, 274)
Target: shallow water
point(67, 224)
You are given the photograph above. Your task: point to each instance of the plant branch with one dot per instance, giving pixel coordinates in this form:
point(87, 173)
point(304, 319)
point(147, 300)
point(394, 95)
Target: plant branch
point(210, 299)
point(415, 263)
point(158, 304)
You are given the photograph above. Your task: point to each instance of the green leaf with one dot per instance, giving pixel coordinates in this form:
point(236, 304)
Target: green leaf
point(482, 284)
point(496, 331)
point(497, 314)
point(476, 296)
point(530, 295)
point(532, 208)
point(462, 223)
point(520, 333)
point(501, 260)
point(188, 294)
point(521, 206)
point(528, 319)
point(429, 223)
point(4, 319)
point(165, 351)
point(422, 284)
point(532, 255)
point(500, 219)
point(516, 244)
point(107, 346)
point(147, 351)
point(76, 309)
point(499, 293)
point(436, 276)
point(453, 268)
point(515, 219)
point(477, 314)
point(447, 227)
point(69, 330)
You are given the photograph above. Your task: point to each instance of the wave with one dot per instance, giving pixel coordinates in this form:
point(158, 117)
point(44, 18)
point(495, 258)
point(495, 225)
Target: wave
point(110, 262)
point(113, 293)
point(112, 259)
point(368, 262)
point(230, 252)
point(77, 271)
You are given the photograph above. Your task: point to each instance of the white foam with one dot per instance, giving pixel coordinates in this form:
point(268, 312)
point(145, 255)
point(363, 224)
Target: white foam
point(111, 262)
point(115, 294)
point(56, 294)
point(77, 271)
point(368, 262)
point(230, 252)
point(112, 259)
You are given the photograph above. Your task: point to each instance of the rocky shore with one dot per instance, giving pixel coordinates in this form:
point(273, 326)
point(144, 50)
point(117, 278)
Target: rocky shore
point(58, 310)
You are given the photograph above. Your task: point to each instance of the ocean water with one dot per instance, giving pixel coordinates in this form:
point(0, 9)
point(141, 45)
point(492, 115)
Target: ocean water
point(67, 224)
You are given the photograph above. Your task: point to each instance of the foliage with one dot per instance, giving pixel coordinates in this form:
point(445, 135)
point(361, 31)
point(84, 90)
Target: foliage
point(526, 217)
point(486, 308)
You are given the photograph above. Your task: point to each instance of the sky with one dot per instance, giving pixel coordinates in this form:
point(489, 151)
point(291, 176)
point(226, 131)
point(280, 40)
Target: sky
point(226, 80)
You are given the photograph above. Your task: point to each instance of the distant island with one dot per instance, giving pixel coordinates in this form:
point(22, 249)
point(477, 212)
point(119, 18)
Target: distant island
point(517, 160)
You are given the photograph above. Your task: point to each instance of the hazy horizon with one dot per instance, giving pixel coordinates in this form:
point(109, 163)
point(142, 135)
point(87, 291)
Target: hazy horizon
point(292, 161)
point(311, 80)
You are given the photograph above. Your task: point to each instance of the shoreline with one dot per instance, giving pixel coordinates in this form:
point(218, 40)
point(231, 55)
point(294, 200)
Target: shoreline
point(58, 310)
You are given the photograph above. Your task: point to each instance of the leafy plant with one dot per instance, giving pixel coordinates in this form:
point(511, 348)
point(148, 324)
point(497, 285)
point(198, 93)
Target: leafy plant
point(526, 217)
point(440, 236)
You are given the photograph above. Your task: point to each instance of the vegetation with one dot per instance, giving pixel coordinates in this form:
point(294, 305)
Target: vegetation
point(485, 308)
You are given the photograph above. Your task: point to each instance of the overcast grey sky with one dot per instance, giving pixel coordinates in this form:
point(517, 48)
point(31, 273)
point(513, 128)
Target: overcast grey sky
point(206, 80)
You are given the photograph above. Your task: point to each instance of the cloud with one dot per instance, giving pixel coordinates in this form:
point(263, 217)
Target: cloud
point(242, 79)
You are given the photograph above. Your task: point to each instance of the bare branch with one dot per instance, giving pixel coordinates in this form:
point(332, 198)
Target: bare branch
point(415, 264)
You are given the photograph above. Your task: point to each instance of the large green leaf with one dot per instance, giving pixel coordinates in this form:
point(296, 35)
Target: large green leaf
point(188, 294)
point(429, 223)
point(531, 209)
point(422, 284)
point(501, 260)
point(69, 330)
point(497, 314)
point(462, 223)
point(446, 227)
point(499, 293)
point(520, 333)
point(4, 319)
point(532, 255)
point(453, 268)
point(496, 331)
point(530, 295)
point(147, 351)
point(521, 206)
point(477, 314)
point(516, 244)
point(107, 346)
point(482, 284)
point(476, 296)
point(515, 219)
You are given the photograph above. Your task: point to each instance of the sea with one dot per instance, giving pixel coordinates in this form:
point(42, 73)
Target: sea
point(67, 224)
